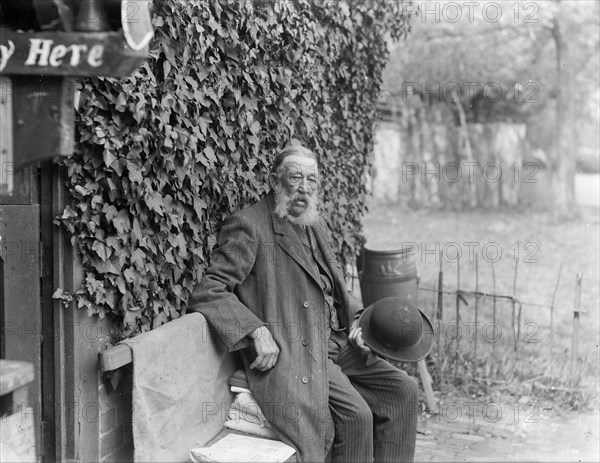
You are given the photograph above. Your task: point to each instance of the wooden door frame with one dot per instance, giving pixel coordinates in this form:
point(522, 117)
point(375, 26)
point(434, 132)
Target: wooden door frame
point(68, 379)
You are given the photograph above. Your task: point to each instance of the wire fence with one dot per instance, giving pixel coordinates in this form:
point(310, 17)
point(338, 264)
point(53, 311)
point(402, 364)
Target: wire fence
point(486, 336)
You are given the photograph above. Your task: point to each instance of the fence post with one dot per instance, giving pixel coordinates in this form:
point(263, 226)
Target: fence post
point(575, 335)
point(440, 309)
point(476, 314)
point(436, 323)
point(493, 321)
point(352, 275)
point(552, 321)
point(518, 340)
point(514, 302)
point(456, 346)
point(440, 290)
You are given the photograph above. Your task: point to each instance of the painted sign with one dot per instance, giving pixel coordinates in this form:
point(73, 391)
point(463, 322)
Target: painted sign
point(65, 53)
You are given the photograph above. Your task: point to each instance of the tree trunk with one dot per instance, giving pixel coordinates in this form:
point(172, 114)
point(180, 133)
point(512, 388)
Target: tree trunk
point(464, 146)
point(565, 142)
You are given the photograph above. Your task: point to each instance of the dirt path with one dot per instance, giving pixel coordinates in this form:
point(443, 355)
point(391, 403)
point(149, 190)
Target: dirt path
point(561, 436)
point(507, 433)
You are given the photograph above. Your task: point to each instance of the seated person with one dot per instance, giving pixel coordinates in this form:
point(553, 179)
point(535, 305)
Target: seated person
point(275, 288)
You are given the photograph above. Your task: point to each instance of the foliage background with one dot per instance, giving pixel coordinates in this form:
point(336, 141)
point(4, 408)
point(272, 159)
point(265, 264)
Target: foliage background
point(539, 61)
point(165, 154)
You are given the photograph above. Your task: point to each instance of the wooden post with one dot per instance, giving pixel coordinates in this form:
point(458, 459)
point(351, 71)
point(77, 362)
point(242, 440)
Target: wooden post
point(440, 298)
point(6, 137)
point(514, 302)
point(440, 290)
point(476, 314)
point(352, 276)
point(552, 321)
point(575, 335)
point(494, 322)
point(456, 346)
point(426, 381)
point(435, 322)
point(518, 333)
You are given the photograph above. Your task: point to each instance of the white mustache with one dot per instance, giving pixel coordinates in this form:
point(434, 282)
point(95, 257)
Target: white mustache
point(283, 202)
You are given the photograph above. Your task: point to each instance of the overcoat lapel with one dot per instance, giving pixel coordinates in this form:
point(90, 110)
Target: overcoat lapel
point(291, 246)
point(335, 271)
point(326, 252)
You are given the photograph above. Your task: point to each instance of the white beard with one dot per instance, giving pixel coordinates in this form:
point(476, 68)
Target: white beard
point(282, 208)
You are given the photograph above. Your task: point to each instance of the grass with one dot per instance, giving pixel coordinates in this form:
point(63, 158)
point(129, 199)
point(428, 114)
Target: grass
point(538, 362)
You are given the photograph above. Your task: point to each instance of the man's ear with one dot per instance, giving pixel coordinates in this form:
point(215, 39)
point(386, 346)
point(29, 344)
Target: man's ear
point(273, 179)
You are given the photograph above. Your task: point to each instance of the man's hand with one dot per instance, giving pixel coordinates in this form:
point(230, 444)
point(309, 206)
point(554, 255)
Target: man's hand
point(266, 349)
point(355, 337)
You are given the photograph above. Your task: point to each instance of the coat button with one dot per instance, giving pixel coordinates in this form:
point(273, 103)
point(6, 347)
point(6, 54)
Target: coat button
point(305, 304)
point(304, 379)
point(305, 342)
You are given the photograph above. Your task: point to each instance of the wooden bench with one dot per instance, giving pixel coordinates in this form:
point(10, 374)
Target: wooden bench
point(120, 356)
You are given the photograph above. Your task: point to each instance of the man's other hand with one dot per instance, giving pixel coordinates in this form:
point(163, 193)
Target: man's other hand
point(266, 349)
point(355, 337)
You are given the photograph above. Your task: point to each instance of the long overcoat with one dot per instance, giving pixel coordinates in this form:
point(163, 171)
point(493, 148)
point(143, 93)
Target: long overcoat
point(259, 275)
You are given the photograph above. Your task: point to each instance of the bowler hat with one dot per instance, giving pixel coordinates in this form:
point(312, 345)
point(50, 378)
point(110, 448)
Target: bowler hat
point(397, 330)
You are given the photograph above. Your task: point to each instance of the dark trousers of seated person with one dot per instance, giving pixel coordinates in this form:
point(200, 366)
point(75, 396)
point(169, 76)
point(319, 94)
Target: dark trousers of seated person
point(373, 404)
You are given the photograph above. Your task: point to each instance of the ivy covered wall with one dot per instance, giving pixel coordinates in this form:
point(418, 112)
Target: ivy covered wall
point(165, 154)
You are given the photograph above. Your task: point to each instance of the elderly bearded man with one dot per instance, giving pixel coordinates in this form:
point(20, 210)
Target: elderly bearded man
point(273, 285)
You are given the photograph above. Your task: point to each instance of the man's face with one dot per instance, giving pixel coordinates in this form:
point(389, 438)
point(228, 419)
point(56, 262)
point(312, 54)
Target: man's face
point(298, 176)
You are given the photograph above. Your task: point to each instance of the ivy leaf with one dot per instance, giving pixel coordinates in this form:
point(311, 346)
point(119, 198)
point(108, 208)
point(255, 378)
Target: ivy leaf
point(210, 154)
point(129, 275)
point(137, 232)
point(108, 157)
point(121, 222)
point(203, 123)
point(159, 320)
point(255, 127)
point(308, 123)
point(105, 267)
point(130, 317)
point(68, 213)
point(155, 203)
point(121, 285)
point(121, 102)
point(82, 191)
point(166, 67)
point(101, 250)
point(138, 258)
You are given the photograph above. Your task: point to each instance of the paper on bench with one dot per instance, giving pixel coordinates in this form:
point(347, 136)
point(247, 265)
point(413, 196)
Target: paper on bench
point(237, 449)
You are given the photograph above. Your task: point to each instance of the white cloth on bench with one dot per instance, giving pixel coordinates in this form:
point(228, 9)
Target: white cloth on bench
point(251, 428)
point(180, 389)
point(248, 408)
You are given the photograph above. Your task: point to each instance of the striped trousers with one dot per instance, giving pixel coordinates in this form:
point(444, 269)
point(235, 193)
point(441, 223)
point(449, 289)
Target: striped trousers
point(373, 404)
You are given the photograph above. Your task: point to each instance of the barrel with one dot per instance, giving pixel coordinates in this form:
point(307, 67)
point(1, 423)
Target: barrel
point(387, 274)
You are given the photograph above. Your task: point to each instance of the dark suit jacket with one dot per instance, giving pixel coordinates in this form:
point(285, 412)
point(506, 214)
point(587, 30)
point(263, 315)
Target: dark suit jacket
point(259, 275)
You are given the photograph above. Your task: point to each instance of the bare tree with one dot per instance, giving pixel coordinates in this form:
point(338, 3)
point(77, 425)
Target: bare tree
point(542, 55)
